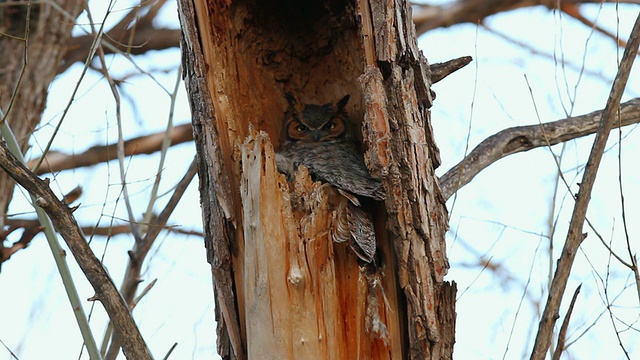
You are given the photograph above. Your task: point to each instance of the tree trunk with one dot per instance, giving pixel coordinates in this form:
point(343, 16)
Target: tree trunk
point(27, 67)
point(283, 289)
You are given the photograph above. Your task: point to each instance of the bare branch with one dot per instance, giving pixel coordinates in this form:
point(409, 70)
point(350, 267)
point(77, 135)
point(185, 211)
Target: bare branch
point(134, 346)
point(562, 336)
point(429, 17)
point(148, 144)
point(441, 70)
point(132, 35)
point(524, 138)
point(32, 227)
point(142, 247)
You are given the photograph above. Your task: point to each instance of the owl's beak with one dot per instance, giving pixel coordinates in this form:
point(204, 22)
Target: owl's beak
point(316, 135)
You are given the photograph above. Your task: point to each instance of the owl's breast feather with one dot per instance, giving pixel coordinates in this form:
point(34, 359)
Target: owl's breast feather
point(334, 162)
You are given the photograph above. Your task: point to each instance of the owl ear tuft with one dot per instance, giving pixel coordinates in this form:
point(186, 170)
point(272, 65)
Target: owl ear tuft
point(294, 106)
point(291, 99)
point(342, 102)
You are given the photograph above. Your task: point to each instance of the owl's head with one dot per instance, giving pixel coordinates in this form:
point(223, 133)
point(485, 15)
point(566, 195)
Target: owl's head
point(312, 123)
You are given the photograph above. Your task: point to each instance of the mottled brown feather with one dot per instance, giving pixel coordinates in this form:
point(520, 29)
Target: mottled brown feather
point(321, 138)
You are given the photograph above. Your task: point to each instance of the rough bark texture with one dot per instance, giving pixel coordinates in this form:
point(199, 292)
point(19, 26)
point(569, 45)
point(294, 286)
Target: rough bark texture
point(27, 68)
point(283, 289)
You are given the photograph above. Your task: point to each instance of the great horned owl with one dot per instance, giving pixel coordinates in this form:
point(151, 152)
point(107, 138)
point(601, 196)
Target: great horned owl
point(321, 138)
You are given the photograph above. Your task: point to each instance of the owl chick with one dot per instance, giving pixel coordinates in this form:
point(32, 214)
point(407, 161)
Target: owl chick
point(321, 138)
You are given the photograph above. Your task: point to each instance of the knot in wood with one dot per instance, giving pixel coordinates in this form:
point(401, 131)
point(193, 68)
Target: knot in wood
point(295, 277)
point(518, 143)
point(42, 202)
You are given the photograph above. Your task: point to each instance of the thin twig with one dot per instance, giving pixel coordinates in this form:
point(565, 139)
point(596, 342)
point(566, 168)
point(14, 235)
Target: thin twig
point(94, 46)
point(141, 248)
point(562, 336)
point(166, 143)
point(609, 307)
point(135, 231)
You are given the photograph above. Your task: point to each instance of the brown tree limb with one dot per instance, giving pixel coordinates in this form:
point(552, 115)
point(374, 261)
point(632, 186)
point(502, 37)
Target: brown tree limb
point(132, 35)
point(57, 161)
point(441, 70)
point(134, 346)
point(144, 37)
point(429, 17)
point(524, 138)
point(31, 228)
point(575, 235)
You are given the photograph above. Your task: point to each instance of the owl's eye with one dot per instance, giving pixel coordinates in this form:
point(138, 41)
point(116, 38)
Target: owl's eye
point(330, 125)
point(301, 128)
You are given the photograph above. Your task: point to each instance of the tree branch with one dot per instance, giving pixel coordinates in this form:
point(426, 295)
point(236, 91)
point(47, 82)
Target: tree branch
point(57, 161)
point(524, 138)
point(562, 336)
point(32, 227)
point(134, 346)
point(132, 35)
point(429, 17)
point(441, 70)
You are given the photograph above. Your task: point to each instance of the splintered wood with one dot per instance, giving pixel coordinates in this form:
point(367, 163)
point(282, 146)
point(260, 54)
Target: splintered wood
point(305, 295)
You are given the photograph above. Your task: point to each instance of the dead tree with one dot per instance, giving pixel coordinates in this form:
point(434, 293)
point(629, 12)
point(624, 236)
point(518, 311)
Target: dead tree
point(283, 289)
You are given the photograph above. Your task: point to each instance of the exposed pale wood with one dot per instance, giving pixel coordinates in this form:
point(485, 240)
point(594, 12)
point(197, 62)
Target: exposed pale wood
point(304, 291)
